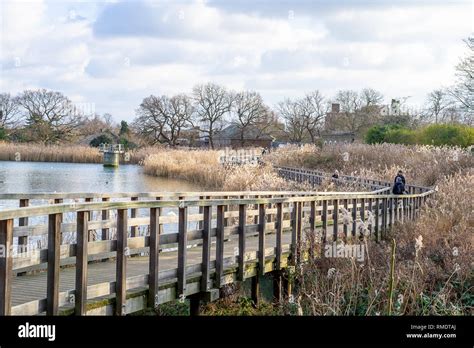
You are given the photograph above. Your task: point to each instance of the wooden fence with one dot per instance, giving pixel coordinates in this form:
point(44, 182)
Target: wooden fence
point(211, 239)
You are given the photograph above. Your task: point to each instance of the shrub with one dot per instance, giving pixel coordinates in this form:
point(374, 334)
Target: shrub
point(101, 139)
point(401, 136)
point(448, 134)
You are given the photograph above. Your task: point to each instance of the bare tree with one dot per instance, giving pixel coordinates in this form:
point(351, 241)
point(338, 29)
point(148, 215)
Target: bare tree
point(162, 118)
point(212, 102)
point(463, 91)
point(370, 96)
point(295, 123)
point(250, 112)
point(9, 111)
point(51, 116)
point(439, 106)
point(358, 111)
point(313, 109)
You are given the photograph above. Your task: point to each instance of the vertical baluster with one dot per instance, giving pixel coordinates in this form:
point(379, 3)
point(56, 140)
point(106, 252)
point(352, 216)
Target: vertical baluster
point(220, 245)
point(324, 219)
point(242, 240)
point(90, 232)
point(354, 217)
point(133, 214)
point(105, 216)
point(279, 234)
point(362, 209)
point(82, 230)
point(206, 247)
point(154, 260)
point(23, 221)
point(335, 218)
point(54, 244)
point(6, 266)
point(377, 219)
point(346, 227)
point(261, 238)
point(121, 267)
point(182, 249)
point(294, 232)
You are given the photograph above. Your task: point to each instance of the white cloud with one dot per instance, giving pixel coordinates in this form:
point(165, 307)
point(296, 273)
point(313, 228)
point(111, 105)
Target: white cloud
point(115, 54)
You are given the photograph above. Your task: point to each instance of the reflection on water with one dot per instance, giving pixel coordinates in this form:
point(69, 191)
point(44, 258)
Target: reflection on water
point(29, 177)
point(37, 177)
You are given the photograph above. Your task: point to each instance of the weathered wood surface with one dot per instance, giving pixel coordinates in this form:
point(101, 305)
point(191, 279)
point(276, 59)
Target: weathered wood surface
point(219, 238)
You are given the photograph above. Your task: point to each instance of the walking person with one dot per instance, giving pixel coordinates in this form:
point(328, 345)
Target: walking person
point(399, 184)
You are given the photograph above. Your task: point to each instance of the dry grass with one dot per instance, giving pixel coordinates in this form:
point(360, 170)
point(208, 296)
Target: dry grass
point(65, 153)
point(203, 167)
point(51, 153)
point(432, 277)
point(423, 165)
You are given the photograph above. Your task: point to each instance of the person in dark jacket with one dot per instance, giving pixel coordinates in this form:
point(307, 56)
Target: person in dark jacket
point(336, 174)
point(399, 184)
point(400, 174)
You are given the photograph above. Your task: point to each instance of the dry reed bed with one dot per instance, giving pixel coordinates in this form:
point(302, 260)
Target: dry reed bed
point(433, 269)
point(423, 165)
point(203, 167)
point(65, 153)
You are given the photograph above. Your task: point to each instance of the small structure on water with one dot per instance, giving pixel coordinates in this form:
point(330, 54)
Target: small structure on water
point(112, 154)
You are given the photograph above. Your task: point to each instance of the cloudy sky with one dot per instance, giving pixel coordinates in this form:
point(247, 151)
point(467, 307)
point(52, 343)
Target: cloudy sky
point(112, 54)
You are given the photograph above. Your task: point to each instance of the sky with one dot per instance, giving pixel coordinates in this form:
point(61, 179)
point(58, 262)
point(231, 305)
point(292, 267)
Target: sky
point(107, 56)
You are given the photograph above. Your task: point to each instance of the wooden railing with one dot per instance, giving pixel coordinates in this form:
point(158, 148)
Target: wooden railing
point(195, 229)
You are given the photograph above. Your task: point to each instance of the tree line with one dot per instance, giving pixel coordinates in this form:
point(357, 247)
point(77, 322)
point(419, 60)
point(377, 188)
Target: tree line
point(49, 116)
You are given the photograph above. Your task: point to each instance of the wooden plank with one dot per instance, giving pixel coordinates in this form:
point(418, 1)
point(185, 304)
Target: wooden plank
point(261, 238)
point(220, 245)
point(54, 243)
point(121, 263)
point(206, 247)
point(279, 235)
point(81, 262)
point(153, 262)
point(242, 246)
point(105, 216)
point(6, 266)
point(182, 250)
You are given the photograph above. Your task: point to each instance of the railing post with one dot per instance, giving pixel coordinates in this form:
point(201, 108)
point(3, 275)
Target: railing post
point(206, 247)
point(90, 232)
point(133, 214)
point(105, 216)
point(220, 245)
point(242, 246)
point(377, 219)
point(182, 250)
point(82, 232)
point(23, 221)
point(154, 260)
point(294, 232)
point(346, 227)
point(324, 219)
point(362, 209)
point(6, 266)
point(279, 235)
point(121, 267)
point(54, 245)
point(354, 217)
point(335, 213)
point(261, 238)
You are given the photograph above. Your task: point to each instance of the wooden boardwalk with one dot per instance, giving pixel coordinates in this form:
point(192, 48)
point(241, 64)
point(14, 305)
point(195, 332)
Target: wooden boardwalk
point(121, 262)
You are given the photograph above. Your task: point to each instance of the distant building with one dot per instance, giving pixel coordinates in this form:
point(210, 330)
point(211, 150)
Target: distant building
point(231, 136)
point(334, 137)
